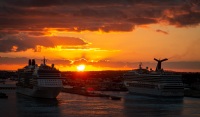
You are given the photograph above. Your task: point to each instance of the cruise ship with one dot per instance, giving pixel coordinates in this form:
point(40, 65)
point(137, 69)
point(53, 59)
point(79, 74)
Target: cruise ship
point(39, 81)
point(154, 83)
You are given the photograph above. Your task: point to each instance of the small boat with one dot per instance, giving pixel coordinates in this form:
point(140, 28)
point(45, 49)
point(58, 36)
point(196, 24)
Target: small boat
point(3, 95)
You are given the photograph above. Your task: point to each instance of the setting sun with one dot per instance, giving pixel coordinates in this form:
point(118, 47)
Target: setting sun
point(81, 67)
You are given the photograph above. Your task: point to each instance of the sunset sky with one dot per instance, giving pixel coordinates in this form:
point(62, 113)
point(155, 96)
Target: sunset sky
point(101, 34)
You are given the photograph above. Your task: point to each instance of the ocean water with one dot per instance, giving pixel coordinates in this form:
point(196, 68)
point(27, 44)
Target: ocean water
point(72, 105)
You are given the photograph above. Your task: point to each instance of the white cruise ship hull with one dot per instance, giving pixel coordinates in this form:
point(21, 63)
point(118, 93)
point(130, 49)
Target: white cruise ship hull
point(154, 83)
point(155, 92)
point(40, 92)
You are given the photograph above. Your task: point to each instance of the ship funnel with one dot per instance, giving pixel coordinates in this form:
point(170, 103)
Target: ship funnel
point(44, 61)
point(158, 67)
point(52, 66)
point(33, 62)
point(29, 62)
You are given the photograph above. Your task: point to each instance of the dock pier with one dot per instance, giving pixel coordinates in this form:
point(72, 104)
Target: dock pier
point(83, 92)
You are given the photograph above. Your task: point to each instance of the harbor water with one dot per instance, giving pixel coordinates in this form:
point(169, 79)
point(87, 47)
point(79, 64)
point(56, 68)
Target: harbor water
point(73, 105)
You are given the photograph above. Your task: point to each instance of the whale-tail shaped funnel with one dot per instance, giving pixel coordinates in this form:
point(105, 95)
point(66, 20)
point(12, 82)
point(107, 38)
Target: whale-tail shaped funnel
point(158, 67)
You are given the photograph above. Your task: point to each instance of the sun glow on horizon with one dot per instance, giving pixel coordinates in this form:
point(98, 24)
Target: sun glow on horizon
point(81, 67)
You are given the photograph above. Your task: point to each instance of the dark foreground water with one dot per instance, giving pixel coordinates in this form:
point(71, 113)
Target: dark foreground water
point(72, 105)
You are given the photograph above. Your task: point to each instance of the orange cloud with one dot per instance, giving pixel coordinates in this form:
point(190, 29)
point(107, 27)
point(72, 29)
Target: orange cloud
point(24, 42)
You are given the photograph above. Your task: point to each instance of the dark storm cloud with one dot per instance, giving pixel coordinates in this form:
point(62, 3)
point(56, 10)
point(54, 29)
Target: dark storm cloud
point(94, 15)
point(44, 3)
point(190, 19)
point(142, 20)
point(22, 43)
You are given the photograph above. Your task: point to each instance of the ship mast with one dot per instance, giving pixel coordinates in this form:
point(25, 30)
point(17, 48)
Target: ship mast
point(44, 61)
point(158, 67)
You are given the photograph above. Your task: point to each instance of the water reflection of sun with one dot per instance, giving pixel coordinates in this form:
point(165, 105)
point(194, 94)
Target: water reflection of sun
point(81, 67)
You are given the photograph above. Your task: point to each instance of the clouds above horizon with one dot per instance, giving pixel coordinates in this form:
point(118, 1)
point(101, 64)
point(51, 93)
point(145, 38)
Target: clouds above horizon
point(23, 42)
point(94, 15)
point(103, 64)
point(92, 31)
point(38, 19)
point(161, 31)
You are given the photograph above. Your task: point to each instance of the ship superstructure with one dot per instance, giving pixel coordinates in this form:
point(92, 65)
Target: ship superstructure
point(39, 81)
point(155, 83)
